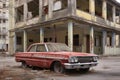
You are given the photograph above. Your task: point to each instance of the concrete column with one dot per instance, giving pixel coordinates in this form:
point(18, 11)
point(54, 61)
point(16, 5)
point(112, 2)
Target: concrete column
point(91, 40)
point(104, 37)
point(92, 6)
point(70, 35)
point(25, 11)
point(114, 13)
point(12, 14)
point(113, 39)
point(12, 43)
point(40, 9)
point(50, 8)
point(72, 7)
point(104, 10)
point(11, 26)
point(41, 35)
point(24, 40)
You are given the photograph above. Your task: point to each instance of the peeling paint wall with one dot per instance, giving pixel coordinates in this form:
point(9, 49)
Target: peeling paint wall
point(112, 51)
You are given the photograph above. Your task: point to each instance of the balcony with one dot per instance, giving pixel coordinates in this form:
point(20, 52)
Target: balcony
point(86, 16)
point(96, 19)
point(60, 13)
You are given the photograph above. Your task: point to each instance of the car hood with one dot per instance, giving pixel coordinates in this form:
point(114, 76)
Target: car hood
point(69, 54)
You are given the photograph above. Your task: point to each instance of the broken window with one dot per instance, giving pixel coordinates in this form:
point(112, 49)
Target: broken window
point(60, 4)
point(83, 5)
point(117, 18)
point(98, 8)
point(33, 9)
point(19, 14)
point(109, 12)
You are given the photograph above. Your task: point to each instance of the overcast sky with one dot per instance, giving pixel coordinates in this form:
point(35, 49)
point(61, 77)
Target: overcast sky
point(118, 1)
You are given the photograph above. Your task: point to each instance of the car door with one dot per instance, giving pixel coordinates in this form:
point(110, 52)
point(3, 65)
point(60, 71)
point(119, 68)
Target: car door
point(39, 56)
point(29, 55)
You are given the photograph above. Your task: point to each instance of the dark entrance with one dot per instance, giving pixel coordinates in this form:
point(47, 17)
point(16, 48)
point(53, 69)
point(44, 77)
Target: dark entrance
point(88, 43)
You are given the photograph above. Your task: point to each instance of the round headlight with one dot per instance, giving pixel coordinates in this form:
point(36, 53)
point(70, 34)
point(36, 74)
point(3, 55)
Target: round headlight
point(95, 58)
point(73, 59)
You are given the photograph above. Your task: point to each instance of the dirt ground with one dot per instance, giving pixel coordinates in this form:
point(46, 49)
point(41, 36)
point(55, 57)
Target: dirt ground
point(108, 69)
point(10, 70)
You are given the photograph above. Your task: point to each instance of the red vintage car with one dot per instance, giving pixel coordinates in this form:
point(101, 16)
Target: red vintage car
point(56, 56)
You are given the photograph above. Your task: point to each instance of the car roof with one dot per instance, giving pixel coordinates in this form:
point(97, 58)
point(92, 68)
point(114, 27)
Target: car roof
point(43, 43)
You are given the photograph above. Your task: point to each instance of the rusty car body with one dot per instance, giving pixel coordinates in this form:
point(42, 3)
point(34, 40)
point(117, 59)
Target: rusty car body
point(56, 56)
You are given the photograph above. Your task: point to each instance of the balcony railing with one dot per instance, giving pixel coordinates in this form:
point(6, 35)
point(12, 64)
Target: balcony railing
point(80, 13)
point(99, 20)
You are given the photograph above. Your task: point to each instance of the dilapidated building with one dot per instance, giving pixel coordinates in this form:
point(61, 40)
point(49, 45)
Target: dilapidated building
point(91, 26)
point(4, 25)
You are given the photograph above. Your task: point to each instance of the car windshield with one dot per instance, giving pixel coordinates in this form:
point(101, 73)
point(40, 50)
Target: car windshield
point(57, 47)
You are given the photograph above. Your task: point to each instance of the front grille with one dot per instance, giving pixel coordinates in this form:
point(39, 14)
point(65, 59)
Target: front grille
point(85, 59)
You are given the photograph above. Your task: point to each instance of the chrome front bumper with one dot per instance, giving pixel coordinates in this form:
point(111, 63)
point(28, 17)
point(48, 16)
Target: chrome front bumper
point(79, 65)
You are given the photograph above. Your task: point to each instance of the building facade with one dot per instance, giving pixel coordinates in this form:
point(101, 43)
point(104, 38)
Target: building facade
point(91, 26)
point(4, 25)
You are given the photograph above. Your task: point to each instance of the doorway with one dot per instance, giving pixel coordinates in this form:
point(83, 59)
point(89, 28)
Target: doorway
point(88, 43)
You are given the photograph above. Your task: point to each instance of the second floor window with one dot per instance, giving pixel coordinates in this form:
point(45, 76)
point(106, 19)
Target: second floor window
point(57, 5)
point(19, 13)
point(33, 9)
point(60, 4)
point(83, 5)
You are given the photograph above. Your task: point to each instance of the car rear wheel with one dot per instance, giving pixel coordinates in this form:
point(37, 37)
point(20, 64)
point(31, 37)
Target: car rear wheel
point(58, 68)
point(24, 65)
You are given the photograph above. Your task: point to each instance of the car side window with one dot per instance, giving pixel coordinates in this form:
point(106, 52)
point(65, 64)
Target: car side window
point(40, 48)
point(33, 48)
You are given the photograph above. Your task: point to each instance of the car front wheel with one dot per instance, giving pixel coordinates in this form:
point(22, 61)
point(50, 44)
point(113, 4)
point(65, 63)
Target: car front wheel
point(58, 68)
